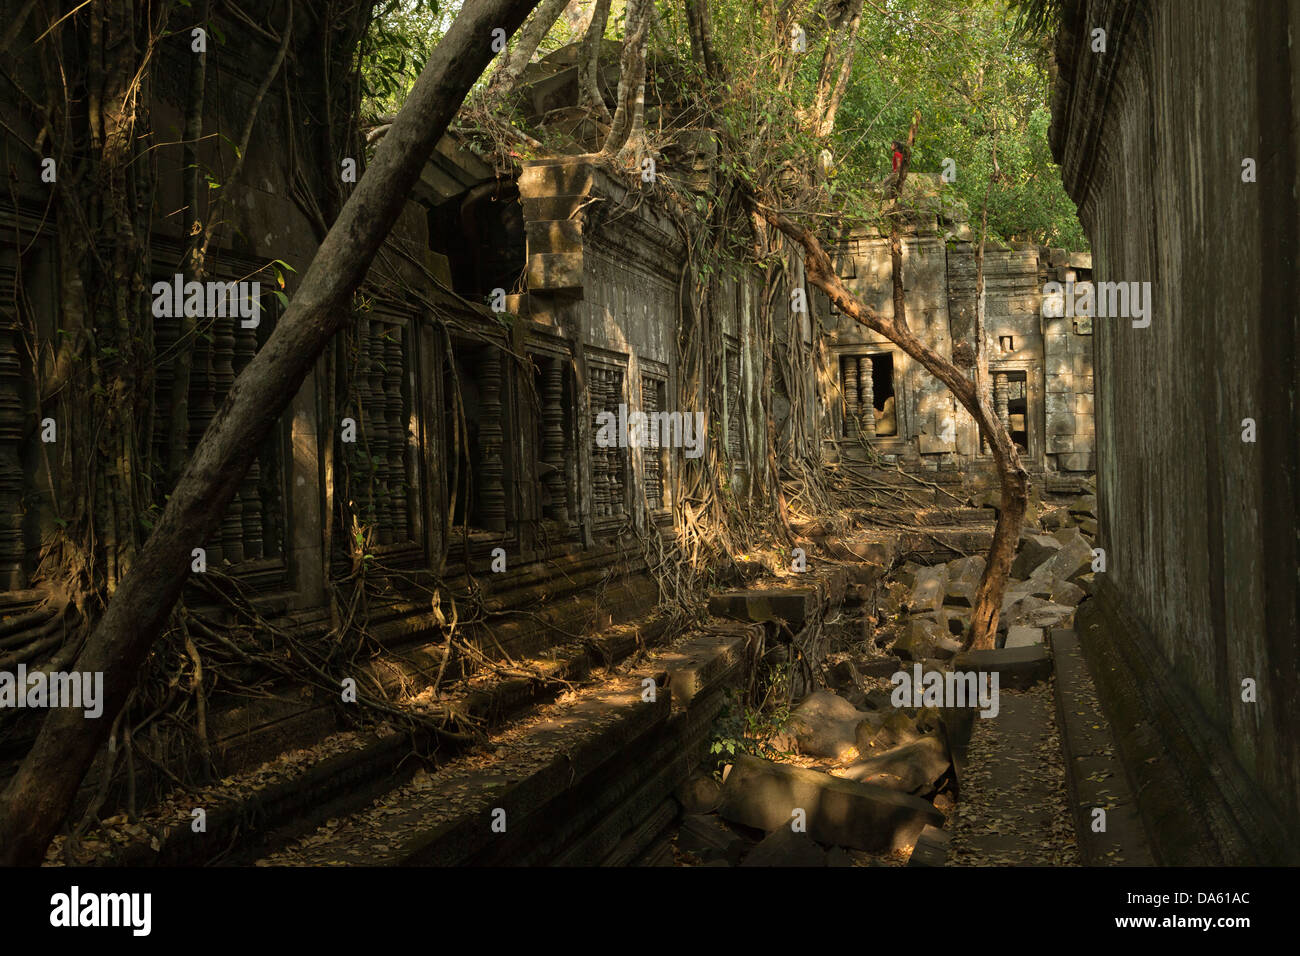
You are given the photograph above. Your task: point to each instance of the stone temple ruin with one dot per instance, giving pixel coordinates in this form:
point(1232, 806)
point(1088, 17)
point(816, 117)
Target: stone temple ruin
point(473, 428)
point(449, 447)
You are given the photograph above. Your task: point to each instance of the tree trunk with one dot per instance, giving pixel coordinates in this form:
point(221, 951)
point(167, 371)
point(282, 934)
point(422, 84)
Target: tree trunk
point(589, 95)
point(40, 794)
point(631, 81)
point(701, 30)
point(530, 38)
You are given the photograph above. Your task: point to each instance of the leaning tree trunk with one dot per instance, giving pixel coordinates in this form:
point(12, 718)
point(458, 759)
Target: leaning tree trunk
point(1011, 474)
point(41, 793)
point(506, 78)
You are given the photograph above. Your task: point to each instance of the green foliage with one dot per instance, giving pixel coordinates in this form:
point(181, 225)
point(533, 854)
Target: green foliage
point(740, 728)
point(401, 37)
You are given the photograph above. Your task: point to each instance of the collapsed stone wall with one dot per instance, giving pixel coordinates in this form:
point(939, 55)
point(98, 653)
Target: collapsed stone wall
point(1178, 143)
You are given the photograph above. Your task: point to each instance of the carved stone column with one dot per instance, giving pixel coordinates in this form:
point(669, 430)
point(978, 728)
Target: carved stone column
point(866, 396)
point(11, 469)
point(223, 376)
point(394, 369)
point(616, 456)
point(377, 431)
point(599, 453)
point(553, 440)
point(492, 496)
point(850, 366)
point(1000, 390)
point(250, 491)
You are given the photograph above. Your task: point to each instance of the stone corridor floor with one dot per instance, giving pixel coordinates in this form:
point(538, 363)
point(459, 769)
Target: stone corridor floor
point(1014, 808)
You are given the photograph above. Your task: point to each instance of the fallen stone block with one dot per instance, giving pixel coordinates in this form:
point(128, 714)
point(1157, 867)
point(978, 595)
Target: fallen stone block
point(1033, 551)
point(1018, 612)
point(929, 589)
point(785, 847)
point(917, 642)
point(1083, 505)
point(931, 848)
point(1021, 636)
point(945, 647)
point(1017, 667)
point(708, 839)
point(1049, 615)
point(791, 605)
point(826, 725)
point(896, 730)
point(1074, 558)
point(880, 667)
point(963, 580)
point(699, 793)
point(1068, 594)
point(1055, 519)
point(911, 768)
point(762, 794)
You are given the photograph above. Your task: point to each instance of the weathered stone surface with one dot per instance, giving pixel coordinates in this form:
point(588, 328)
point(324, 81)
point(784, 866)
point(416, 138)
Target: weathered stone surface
point(1034, 550)
point(826, 725)
point(911, 768)
point(1084, 505)
point(895, 730)
point(1021, 636)
point(762, 794)
point(963, 579)
point(1055, 519)
point(699, 793)
point(880, 667)
point(919, 638)
point(945, 647)
point(709, 839)
point(1049, 615)
point(929, 589)
point(1019, 610)
point(791, 605)
point(1069, 594)
point(931, 848)
point(784, 847)
point(1017, 667)
point(1072, 560)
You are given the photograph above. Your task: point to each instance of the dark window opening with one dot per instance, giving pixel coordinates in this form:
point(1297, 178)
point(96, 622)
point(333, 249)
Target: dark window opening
point(867, 384)
point(481, 233)
point(1018, 409)
point(472, 437)
point(882, 386)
